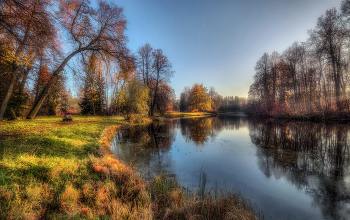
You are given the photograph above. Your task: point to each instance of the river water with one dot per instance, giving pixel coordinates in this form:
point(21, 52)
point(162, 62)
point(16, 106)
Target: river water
point(290, 170)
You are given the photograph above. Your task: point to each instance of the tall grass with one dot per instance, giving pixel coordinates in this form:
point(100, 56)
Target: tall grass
point(172, 201)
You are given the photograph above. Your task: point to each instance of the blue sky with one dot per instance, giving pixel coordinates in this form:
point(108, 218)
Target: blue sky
point(217, 43)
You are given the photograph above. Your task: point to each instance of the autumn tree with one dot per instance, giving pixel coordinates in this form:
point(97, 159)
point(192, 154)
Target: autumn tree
point(28, 26)
point(19, 98)
point(199, 98)
point(52, 100)
point(137, 97)
point(100, 30)
point(121, 78)
point(166, 97)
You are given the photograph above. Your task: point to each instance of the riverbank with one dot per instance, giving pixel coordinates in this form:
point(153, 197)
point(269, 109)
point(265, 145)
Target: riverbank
point(50, 169)
point(327, 115)
point(304, 117)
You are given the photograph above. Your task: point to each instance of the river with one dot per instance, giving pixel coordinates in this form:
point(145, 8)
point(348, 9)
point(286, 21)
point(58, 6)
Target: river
point(290, 170)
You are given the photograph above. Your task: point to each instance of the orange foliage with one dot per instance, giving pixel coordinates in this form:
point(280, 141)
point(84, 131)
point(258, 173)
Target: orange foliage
point(97, 168)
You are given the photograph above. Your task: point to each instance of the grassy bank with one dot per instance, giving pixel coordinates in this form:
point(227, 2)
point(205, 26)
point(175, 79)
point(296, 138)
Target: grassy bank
point(50, 169)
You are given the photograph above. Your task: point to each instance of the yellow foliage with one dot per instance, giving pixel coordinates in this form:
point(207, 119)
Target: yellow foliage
point(199, 98)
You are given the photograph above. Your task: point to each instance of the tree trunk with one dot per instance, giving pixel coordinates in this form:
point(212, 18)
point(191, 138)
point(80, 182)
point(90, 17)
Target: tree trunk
point(154, 97)
point(101, 98)
point(24, 79)
point(7, 97)
point(8, 93)
point(274, 84)
point(337, 92)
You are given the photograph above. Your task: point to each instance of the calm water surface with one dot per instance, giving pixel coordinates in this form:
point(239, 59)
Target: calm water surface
point(291, 170)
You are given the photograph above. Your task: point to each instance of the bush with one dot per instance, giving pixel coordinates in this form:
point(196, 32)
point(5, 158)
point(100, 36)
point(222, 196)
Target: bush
point(131, 118)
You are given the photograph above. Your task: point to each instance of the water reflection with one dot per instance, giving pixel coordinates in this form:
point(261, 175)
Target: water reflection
point(291, 170)
point(313, 157)
point(201, 130)
point(146, 148)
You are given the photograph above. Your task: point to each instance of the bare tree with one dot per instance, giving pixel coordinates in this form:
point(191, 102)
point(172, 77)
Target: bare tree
point(292, 56)
point(185, 99)
point(274, 59)
point(145, 62)
point(262, 75)
point(162, 71)
point(329, 38)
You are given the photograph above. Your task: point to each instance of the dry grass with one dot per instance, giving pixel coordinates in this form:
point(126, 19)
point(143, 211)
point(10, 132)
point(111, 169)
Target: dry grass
point(230, 205)
point(171, 201)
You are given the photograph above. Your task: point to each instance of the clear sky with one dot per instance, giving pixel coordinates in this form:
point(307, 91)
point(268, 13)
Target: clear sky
point(218, 42)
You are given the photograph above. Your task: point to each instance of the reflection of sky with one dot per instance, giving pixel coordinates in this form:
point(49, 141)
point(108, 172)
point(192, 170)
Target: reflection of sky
point(233, 161)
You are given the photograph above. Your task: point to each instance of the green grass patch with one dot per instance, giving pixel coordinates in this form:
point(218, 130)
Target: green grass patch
point(50, 169)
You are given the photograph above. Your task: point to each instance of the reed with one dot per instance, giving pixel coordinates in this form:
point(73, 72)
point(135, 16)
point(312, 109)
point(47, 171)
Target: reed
point(172, 201)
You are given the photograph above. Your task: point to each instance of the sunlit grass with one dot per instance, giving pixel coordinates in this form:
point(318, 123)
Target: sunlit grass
point(53, 169)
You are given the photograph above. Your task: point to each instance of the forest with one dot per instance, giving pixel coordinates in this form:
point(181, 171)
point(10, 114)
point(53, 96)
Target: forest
point(308, 79)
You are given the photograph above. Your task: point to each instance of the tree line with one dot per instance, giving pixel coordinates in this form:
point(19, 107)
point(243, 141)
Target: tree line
point(308, 78)
point(42, 40)
point(199, 98)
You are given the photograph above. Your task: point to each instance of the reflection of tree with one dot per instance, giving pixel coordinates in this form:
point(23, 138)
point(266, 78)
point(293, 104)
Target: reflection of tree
point(149, 144)
point(311, 156)
point(232, 122)
point(199, 130)
point(162, 135)
point(154, 135)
